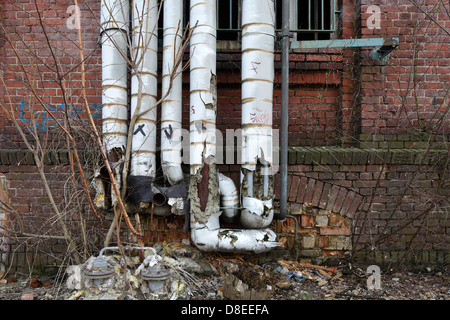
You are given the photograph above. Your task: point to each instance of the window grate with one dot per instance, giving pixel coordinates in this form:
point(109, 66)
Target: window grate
point(309, 19)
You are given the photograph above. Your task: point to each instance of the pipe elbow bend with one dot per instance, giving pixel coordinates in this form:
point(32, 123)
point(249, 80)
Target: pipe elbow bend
point(235, 240)
point(229, 198)
point(173, 173)
point(257, 214)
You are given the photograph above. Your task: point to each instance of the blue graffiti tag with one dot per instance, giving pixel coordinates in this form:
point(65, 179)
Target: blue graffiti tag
point(44, 120)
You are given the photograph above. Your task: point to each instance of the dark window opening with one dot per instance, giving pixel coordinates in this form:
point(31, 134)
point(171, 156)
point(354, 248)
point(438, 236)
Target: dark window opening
point(309, 19)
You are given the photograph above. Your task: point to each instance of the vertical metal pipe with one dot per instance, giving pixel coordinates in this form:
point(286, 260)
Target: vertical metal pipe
point(316, 19)
point(309, 14)
point(284, 110)
point(322, 9)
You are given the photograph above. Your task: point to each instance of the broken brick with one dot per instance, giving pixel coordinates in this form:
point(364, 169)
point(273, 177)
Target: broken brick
point(35, 283)
point(46, 283)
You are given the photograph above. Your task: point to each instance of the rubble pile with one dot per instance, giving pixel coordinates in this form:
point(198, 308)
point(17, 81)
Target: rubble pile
point(180, 271)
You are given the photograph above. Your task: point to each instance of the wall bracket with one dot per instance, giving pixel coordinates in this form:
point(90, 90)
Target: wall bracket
point(383, 47)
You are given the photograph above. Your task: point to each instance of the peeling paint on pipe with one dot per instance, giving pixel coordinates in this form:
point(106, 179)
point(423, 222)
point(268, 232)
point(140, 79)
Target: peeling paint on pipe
point(114, 28)
point(114, 90)
point(258, 44)
point(212, 238)
point(144, 84)
point(205, 182)
point(256, 213)
point(202, 83)
point(207, 235)
point(171, 108)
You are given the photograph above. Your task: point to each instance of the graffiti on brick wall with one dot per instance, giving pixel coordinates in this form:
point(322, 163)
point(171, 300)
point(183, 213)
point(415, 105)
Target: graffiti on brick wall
point(45, 120)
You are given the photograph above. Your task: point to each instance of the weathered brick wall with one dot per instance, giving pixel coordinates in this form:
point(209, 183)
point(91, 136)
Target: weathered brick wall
point(384, 205)
point(408, 93)
point(36, 36)
point(337, 98)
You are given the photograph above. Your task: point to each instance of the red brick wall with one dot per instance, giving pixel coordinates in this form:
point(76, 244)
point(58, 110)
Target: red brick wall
point(376, 101)
point(408, 93)
point(28, 61)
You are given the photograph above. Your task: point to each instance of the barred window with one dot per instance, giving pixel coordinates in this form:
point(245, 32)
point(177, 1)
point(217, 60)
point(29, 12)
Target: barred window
point(309, 19)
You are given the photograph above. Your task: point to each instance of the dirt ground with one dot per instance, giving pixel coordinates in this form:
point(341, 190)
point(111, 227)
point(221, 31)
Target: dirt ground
point(289, 281)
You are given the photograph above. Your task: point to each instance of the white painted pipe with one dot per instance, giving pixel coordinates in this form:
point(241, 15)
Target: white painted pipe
point(144, 86)
point(209, 237)
point(114, 23)
point(203, 97)
point(171, 108)
point(258, 42)
point(114, 14)
point(229, 197)
point(206, 233)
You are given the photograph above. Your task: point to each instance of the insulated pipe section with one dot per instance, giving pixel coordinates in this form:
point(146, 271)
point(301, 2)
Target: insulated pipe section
point(114, 21)
point(210, 237)
point(171, 108)
point(229, 197)
point(206, 233)
point(114, 14)
point(258, 43)
point(203, 87)
point(144, 54)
